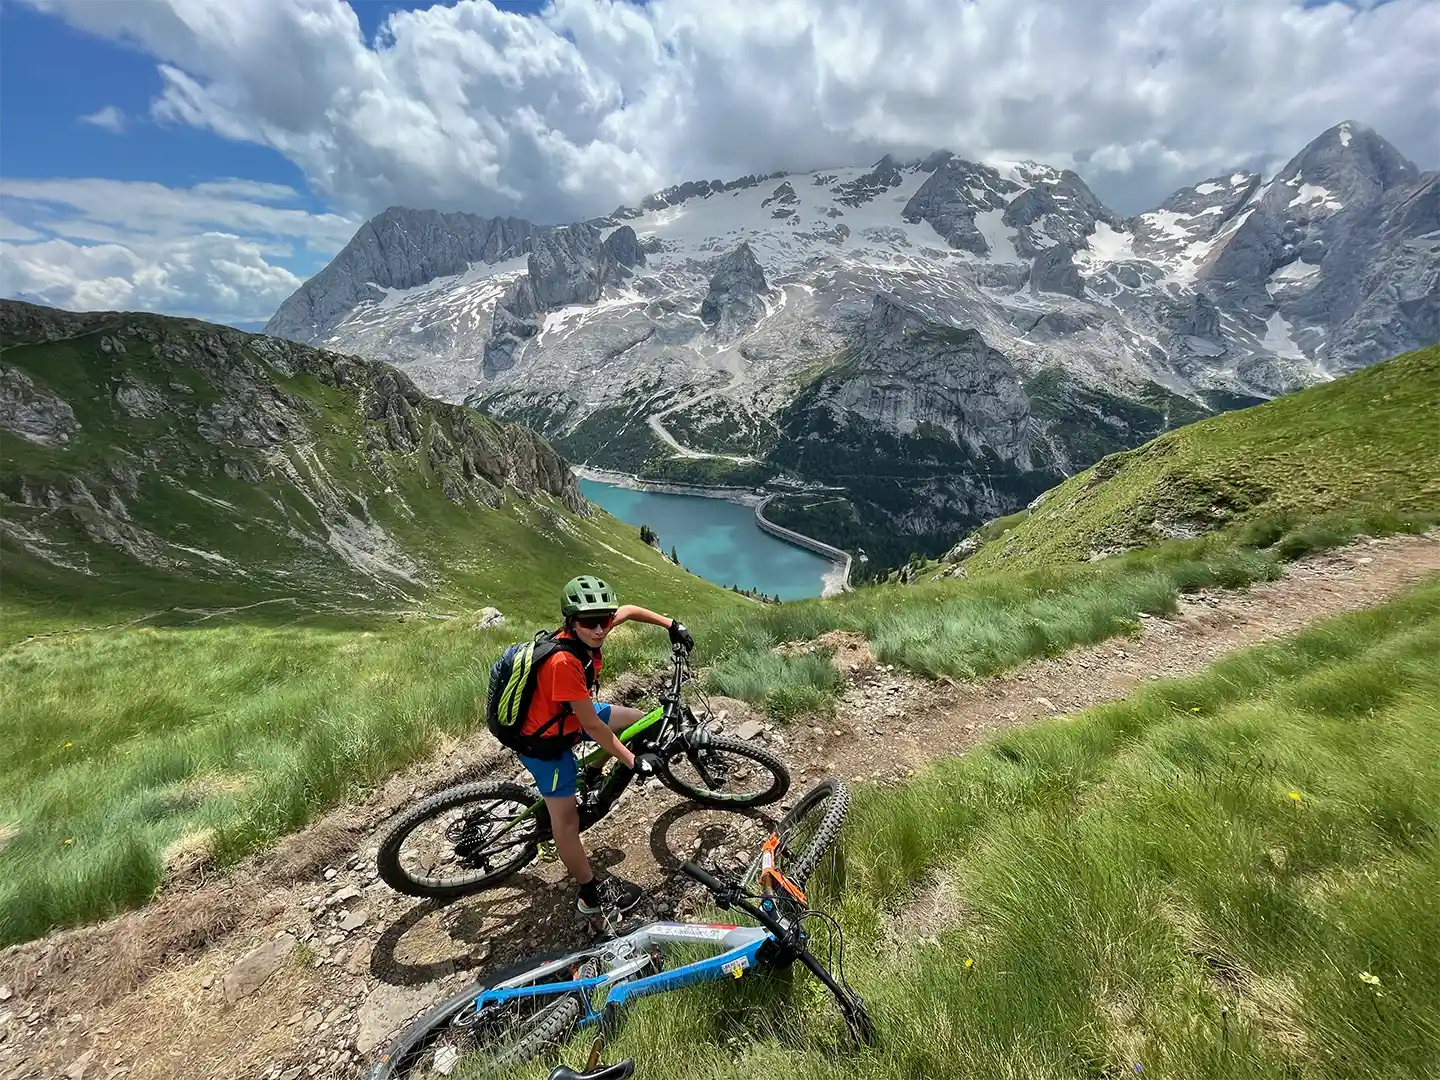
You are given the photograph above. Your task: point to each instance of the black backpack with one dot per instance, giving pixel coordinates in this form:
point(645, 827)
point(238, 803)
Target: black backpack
point(512, 686)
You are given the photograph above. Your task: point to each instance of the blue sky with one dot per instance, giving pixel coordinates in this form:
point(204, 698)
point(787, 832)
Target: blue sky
point(203, 157)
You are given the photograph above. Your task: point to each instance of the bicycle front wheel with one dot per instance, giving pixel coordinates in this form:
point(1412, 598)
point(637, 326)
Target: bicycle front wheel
point(462, 840)
point(725, 773)
point(489, 1043)
point(807, 832)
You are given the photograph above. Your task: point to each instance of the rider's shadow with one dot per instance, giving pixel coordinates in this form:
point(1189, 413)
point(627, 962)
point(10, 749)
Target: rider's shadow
point(436, 939)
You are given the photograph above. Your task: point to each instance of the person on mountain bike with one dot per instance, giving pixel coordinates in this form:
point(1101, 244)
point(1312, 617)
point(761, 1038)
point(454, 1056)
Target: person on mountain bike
point(591, 610)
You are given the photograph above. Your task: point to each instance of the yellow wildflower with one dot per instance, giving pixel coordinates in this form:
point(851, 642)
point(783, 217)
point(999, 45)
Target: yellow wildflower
point(969, 962)
point(1368, 979)
point(70, 841)
point(1294, 796)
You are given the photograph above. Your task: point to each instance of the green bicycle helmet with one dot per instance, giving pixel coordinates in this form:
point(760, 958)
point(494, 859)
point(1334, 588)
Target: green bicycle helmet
point(587, 595)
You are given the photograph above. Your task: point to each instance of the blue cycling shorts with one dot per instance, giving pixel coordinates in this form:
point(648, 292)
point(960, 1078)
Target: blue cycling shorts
point(556, 778)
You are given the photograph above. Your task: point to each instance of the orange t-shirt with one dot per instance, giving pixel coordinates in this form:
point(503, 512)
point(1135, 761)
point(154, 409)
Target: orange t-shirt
point(561, 679)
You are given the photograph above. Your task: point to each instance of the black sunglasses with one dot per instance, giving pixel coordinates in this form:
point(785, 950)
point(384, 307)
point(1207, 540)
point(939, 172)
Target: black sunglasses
point(594, 622)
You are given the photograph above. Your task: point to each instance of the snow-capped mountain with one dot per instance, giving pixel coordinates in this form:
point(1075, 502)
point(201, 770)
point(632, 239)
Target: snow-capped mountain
point(716, 322)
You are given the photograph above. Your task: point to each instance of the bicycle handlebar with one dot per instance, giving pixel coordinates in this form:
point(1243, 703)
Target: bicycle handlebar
point(730, 895)
point(704, 877)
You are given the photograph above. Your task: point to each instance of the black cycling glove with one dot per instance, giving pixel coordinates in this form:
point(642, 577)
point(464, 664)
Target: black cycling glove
point(680, 636)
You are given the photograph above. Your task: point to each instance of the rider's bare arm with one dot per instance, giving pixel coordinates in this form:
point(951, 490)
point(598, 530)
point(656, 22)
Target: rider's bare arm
point(600, 732)
point(635, 613)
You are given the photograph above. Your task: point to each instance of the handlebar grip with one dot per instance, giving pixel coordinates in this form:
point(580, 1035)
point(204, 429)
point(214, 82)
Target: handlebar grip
point(704, 877)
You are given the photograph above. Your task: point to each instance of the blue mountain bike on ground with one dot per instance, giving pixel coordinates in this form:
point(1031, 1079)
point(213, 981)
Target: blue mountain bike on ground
point(518, 1015)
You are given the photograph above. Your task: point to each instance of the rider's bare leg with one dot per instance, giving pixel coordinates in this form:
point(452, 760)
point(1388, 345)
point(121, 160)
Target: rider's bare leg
point(565, 828)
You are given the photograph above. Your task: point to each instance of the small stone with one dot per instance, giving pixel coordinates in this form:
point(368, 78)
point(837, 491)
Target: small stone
point(6, 993)
point(252, 969)
point(76, 1069)
point(384, 1011)
point(1365, 561)
point(1044, 703)
point(748, 730)
point(207, 982)
point(354, 920)
point(295, 1018)
point(342, 896)
point(330, 873)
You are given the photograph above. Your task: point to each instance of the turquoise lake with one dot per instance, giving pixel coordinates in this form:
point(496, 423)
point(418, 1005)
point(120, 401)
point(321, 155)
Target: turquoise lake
point(716, 539)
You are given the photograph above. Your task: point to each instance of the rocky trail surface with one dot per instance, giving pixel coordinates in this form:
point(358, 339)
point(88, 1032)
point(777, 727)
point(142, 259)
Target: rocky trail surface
point(301, 962)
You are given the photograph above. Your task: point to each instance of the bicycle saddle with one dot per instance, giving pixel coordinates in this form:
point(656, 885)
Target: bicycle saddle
point(621, 1070)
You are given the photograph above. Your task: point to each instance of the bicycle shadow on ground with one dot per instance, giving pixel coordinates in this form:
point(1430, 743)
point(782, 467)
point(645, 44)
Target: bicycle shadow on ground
point(433, 939)
point(721, 841)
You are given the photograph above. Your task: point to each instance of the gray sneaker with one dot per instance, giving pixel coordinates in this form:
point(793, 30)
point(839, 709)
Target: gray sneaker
point(617, 896)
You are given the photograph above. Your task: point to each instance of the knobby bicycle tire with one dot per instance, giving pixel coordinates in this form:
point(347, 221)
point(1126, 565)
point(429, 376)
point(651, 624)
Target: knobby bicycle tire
point(387, 858)
point(780, 774)
point(412, 1043)
point(798, 866)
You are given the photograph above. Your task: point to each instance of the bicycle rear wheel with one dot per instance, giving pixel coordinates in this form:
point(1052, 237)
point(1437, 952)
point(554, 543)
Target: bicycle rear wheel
point(807, 832)
point(462, 840)
point(490, 1044)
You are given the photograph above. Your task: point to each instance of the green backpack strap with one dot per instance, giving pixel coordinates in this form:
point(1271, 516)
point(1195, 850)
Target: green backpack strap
point(521, 687)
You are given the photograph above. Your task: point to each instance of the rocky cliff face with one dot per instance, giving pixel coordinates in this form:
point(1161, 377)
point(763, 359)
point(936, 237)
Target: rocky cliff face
point(197, 449)
point(910, 372)
point(737, 292)
point(921, 423)
point(565, 266)
point(395, 250)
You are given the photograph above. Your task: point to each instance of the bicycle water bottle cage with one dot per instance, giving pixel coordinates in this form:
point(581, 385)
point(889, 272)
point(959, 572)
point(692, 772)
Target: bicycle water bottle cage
point(770, 876)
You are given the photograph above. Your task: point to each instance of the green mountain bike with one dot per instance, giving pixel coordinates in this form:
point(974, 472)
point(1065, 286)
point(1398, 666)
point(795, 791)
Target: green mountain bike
point(472, 837)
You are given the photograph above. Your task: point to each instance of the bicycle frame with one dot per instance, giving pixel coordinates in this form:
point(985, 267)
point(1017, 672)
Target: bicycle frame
point(663, 721)
point(631, 953)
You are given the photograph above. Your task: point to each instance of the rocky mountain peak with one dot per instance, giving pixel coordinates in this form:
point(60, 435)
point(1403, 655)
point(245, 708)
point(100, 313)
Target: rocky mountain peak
point(736, 290)
point(892, 321)
point(955, 192)
point(399, 248)
point(1346, 166)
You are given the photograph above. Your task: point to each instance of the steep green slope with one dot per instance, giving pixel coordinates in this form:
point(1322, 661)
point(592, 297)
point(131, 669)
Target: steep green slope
point(1362, 448)
point(166, 467)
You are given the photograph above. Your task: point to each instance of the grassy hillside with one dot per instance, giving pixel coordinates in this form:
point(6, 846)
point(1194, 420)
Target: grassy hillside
point(163, 468)
point(1227, 876)
point(1362, 448)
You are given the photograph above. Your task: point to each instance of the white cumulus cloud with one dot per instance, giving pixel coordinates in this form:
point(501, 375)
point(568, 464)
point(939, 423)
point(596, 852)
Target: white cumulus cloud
point(214, 251)
point(563, 114)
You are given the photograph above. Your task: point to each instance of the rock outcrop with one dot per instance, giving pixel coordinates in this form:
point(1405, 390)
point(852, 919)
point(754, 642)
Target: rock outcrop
point(32, 413)
point(566, 266)
point(737, 291)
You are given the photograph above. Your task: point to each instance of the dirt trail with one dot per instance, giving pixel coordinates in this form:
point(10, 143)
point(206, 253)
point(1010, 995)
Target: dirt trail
point(163, 992)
